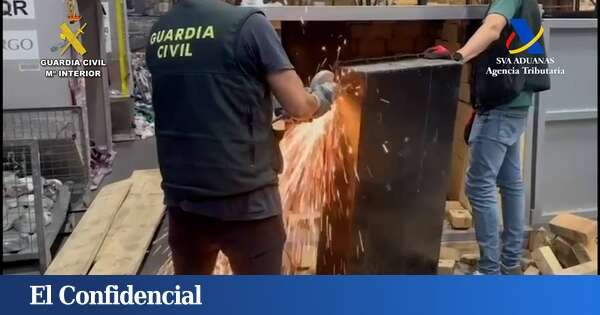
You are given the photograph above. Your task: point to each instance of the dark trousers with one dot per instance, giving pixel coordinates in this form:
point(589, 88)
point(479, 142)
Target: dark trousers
point(252, 247)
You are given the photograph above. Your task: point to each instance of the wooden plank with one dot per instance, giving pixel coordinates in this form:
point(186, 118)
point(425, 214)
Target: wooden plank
point(465, 247)
point(546, 261)
point(448, 253)
point(453, 204)
point(588, 268)
point(405, 2)
point(125, 246)
point(465, 75)
point(563, 251)
point(460, 156)
point(470, 259)
point(446, 267)
point(460, 218)
point(531, 271)
point(464, 93)
point(592, 248)
point(581, 253)
point(526, 262)
point(538, 238)
point(80, 249)
point(574, 228)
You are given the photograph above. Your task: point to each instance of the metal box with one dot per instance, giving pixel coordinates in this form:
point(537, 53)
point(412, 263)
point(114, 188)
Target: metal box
point(398, 117)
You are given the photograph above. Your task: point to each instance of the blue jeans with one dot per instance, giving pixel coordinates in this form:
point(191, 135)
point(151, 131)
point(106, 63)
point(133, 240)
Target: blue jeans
point(495, 162)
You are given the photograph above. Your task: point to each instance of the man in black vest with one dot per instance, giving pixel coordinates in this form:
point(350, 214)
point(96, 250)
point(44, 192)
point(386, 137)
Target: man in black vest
point(213, 68)
point(502, 103)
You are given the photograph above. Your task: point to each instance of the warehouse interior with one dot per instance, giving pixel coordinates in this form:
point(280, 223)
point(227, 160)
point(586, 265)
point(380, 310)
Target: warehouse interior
point(81, 183)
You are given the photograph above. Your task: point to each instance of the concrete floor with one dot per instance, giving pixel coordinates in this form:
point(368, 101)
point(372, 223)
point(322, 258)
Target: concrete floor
point(132, 155)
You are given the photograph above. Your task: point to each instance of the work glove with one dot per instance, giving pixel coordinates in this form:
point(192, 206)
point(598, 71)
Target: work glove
point(468, 127)
point(325, 93)
point(437, 52)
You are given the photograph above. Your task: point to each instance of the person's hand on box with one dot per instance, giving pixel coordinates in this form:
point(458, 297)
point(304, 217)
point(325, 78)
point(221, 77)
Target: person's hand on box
point(441, 52)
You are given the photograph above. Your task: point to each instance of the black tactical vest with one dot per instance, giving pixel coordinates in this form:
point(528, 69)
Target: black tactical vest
point(213, 118)
point(489, 92)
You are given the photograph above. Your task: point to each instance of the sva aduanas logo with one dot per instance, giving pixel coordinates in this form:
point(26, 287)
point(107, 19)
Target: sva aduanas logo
point(529, 64)
point(525, 34)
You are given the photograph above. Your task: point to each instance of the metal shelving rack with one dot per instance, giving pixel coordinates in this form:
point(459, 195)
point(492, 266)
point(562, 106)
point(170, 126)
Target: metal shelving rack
point(45, 235)
point(48, 143)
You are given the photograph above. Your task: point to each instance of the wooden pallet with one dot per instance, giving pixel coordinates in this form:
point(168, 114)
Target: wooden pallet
point(116, 230)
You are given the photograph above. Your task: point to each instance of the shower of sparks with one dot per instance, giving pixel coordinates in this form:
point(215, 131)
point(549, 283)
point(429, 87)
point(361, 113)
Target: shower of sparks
point(370, 172)
point(360, 239)
point(321, 64)
point(312, 153)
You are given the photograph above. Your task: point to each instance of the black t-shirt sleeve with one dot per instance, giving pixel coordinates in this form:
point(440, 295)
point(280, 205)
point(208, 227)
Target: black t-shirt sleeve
point(260, 44)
